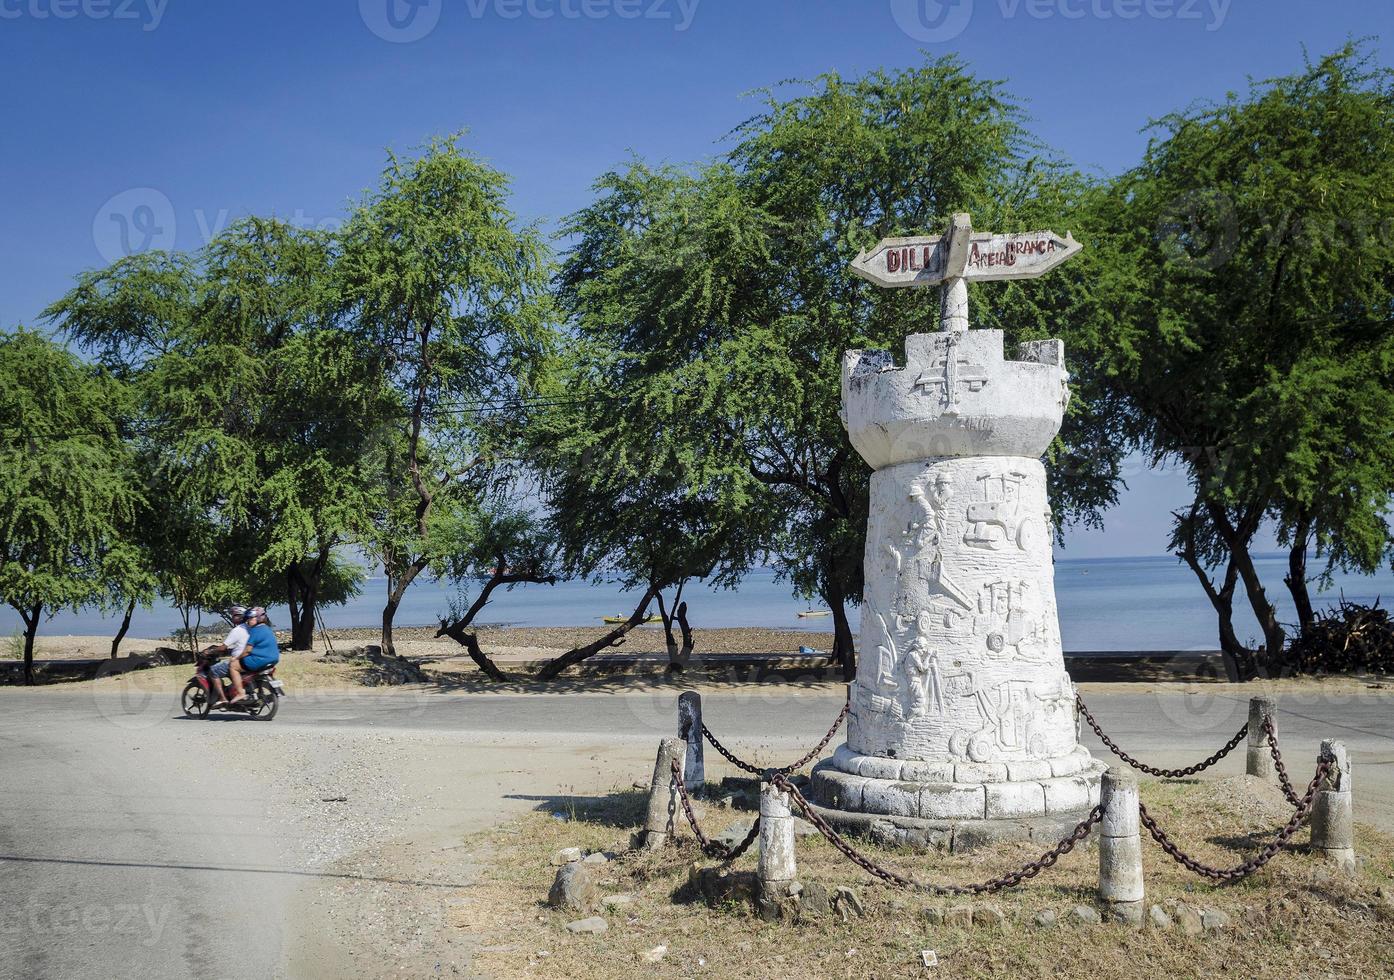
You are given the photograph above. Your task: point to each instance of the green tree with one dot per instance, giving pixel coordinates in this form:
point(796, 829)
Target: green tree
point(68, 491)
point(256, 416)
point(501, 547)
point(1247, 309)
point(622, 503)
point(726, 287)
point(448, 296)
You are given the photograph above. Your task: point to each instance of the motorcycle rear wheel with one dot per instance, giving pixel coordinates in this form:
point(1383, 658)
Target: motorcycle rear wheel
point(268, 701)
point(195, 700)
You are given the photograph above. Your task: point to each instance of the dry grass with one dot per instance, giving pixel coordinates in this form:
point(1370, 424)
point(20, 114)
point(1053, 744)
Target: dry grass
point(1293, 919)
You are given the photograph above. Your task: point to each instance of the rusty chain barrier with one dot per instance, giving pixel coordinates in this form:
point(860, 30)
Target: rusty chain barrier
point(1242, 871)
point(779, 777)
point(792, 767)
point(1278, 766)
point(711, 848)
point(1228, 747)
point(1008, 880)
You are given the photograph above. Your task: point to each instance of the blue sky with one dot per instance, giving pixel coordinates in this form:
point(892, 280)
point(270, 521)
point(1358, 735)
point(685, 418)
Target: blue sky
point(134, 122)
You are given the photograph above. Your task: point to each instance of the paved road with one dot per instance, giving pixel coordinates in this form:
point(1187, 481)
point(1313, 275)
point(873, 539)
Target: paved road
point(123, 852)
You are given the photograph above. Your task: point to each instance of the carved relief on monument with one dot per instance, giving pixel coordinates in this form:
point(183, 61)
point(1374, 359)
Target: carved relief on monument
point(1015, 717)
point(951, 374)
point(1000, 520)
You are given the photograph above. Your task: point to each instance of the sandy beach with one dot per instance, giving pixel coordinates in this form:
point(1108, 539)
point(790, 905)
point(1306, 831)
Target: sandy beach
point(506, 644)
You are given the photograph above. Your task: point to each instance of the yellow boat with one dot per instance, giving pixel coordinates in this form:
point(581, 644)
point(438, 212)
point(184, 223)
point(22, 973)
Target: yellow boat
point(815, 612)
point(616, 620)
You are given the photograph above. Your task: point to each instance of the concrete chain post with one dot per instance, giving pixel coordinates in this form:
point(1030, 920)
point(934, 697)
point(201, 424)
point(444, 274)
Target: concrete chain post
point(662, 820)
point(1259, 761)
point(690, 730)
point(776, 868)
point(1120, 847)
point(1333, 811)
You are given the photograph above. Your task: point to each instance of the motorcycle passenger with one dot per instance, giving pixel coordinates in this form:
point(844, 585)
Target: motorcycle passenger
point(262, 651)
point(234, 645)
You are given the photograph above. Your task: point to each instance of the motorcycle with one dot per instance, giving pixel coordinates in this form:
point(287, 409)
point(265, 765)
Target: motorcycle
point(198, 698)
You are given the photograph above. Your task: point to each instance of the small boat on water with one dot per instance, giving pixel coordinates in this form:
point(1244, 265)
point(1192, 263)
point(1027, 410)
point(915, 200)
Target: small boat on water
point(810, 614)
point(616, 620)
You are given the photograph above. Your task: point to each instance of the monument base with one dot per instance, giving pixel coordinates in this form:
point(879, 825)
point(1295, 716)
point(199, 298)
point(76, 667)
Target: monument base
point(956, 806)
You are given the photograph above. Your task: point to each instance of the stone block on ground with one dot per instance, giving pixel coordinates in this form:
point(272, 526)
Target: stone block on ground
point(1046, 919)
point(1127, 913)
point(623, 900)
point(1083, 915)
point(589, 927)
point(847, 898)
point(1188, 918)
point(991, 917)
point(717, 886)
point(1158, 918)
point(567, 855)
point(815, 900)
point(1213, 920)
point(573, 888)
point(960, 916)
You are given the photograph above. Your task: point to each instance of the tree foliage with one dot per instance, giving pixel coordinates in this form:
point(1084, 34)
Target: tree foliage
point(447, 296)
point(69, 492)
point(1247, 307)
point(715, 303)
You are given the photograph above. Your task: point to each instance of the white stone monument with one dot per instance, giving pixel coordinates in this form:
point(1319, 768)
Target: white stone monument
point(962, 727)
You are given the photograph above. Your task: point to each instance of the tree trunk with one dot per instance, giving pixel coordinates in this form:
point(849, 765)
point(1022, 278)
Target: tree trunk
point(1237, 541)
point(389, 612)
point(470, 641)
point(303, 599)
point(394, 600)
point(611, 639)
point(31, 619)
point(1296, 578)
point(1238, 659)
point(125, 625)
point(689, 642)
point(459, 631)
point(844, 650)
point(677, 656)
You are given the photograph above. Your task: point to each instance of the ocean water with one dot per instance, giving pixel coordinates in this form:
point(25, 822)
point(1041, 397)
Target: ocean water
point(1106, 604)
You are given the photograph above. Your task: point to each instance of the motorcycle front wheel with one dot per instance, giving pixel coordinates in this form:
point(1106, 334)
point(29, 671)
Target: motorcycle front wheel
point(195, 700)
point(268, 701)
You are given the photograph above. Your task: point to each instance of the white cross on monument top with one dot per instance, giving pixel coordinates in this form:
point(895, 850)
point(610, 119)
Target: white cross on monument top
point(952, 259)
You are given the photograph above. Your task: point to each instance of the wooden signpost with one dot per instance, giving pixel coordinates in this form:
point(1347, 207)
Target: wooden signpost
point(961, 255)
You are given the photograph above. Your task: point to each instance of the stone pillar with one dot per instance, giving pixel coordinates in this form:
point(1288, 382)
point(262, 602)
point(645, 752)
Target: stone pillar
point(962, 725)
point(1333, 812)
point(664, 805)
point(690, 730)
point(1120, 847)
point(1259, 761)
point(776, 869)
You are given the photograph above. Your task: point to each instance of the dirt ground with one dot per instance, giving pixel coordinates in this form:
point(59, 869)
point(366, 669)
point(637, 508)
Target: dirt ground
point(1295, 918)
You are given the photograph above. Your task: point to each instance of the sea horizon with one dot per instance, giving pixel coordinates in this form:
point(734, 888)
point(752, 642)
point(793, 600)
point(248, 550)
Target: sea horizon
point(1127, 604)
